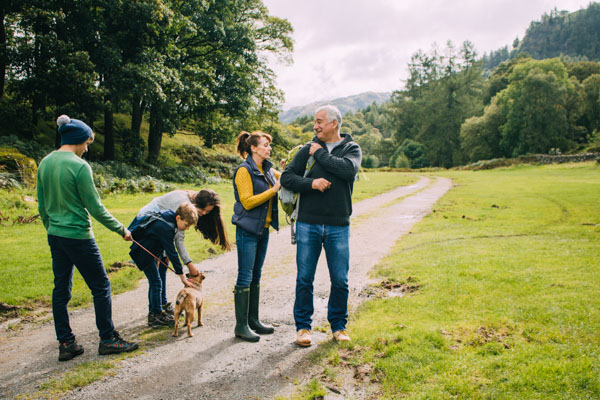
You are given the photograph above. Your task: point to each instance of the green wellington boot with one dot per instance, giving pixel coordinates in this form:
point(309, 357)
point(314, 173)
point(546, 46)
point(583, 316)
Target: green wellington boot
point(253, 321)
point(241, 296)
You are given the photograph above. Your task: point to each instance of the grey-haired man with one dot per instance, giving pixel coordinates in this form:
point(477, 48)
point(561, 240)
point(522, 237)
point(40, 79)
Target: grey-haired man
point(324, 219)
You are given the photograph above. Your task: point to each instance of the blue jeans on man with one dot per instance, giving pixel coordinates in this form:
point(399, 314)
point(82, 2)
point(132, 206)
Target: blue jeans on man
point(311, 238)
point(85, 255)
point(251, 250)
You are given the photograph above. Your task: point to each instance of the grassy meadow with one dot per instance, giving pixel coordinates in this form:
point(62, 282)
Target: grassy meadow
point(508, 300)
point(25, 261)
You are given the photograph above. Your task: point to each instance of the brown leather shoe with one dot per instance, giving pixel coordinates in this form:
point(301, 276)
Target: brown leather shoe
point(304, 338)
point(341, 336)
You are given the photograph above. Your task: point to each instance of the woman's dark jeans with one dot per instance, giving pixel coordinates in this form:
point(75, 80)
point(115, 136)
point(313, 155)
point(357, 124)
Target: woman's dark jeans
point(251, 251)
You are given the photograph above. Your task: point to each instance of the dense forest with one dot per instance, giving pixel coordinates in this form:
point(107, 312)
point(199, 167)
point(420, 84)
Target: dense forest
point(199, 68)
point(557, 34)
point(195, 65)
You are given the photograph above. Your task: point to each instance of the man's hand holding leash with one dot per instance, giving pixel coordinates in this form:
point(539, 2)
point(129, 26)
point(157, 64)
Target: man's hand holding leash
point(127, 235)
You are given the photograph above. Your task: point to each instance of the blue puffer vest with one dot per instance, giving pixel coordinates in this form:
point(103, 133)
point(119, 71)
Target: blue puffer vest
point(254, 220)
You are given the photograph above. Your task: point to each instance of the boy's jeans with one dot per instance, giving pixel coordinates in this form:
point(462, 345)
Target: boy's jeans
point(83, 254)
point(154, 288)
point(335, 240)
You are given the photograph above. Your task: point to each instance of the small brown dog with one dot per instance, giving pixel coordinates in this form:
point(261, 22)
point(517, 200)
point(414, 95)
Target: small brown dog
point(189, 299)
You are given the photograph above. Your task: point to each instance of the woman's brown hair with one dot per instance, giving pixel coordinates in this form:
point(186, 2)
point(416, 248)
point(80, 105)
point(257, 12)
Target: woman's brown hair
point(211, 225)
point(246, 139)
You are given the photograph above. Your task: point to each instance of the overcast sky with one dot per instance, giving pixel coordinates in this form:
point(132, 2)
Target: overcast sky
point(346, 47)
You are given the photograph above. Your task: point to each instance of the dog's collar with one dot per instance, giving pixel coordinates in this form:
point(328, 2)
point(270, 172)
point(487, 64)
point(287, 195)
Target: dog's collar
point(193, 283)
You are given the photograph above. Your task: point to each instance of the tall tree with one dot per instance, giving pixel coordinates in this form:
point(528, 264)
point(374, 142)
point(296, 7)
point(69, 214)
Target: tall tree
point(538, 105)
point(47, 67)
point(444, 88)
point(9, 9)
point(228, 72)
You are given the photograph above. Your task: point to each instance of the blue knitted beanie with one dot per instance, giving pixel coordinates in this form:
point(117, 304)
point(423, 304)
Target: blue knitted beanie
point(72, 131)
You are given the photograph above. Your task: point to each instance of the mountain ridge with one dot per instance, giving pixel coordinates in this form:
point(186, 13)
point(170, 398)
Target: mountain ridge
point(345, 104)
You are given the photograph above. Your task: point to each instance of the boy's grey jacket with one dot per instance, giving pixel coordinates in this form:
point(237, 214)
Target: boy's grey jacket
point(334, 205)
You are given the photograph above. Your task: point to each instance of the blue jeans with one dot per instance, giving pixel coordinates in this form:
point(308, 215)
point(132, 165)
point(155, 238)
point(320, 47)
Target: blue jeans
point(251, 251)
point(162, 272)
point(311, 238)
point(155, 288)
point(83, 254)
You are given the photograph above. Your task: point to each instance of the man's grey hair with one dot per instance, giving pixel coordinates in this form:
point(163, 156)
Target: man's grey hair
point(333, 113)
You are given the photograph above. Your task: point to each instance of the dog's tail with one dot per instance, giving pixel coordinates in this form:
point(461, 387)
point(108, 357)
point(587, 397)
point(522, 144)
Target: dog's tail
point(180, 298)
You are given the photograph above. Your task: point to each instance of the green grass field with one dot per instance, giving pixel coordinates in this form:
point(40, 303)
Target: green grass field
point(25, 261)
point(508, 305)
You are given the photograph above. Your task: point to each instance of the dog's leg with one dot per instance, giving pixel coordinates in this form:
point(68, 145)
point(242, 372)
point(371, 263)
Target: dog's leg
point(176, 317)
point(189, 316)
point(200, 315)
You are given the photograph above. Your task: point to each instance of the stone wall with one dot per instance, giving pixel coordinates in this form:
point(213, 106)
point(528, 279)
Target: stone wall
point(531, 159)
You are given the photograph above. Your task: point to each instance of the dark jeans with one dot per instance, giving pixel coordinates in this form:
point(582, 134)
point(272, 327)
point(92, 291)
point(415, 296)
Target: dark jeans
point(162, 271)
point(83, 254)
point(251, 251)
point(312, 238)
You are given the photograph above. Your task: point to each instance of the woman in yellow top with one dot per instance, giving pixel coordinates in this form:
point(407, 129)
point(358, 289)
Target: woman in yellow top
point(255, 186)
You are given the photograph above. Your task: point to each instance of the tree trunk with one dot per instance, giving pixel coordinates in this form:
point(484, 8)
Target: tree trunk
point(137, 112)
point(109, 133)
point(154, 135)
point(3, 54)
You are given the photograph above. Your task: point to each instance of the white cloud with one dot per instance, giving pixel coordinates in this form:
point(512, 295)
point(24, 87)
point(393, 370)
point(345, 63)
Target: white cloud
point(347, 47)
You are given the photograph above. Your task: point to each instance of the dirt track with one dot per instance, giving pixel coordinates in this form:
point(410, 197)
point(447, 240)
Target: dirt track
point(213, 364)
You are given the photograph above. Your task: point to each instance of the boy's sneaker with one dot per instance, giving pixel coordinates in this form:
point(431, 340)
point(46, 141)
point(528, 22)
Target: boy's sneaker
point(161, 319)
point(115, 345)
point(69, 349)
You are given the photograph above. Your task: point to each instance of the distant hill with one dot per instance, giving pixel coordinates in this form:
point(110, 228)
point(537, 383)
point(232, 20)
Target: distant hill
point(575, 34)
point(345, 104)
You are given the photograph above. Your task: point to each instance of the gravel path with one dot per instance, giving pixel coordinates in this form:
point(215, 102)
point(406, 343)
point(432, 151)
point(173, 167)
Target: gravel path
point(214, 364)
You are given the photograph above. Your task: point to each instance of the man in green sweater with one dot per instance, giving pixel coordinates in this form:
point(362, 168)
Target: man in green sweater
point(66, 199)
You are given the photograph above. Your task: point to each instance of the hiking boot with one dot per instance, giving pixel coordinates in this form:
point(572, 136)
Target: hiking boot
point(69, 349)
point(115, 345)
point(253, 321)
point(304, 338)
point(168, 308)
point(341, 336)
point(241, 297)
point(160, 319)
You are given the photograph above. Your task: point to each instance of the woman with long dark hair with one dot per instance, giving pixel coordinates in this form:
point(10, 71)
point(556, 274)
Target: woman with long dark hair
point(210, 224)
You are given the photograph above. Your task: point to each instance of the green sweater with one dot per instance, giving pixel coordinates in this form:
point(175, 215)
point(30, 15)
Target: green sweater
point(67, 197)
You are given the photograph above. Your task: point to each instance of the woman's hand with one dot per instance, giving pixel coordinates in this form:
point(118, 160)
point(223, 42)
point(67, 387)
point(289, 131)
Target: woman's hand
point(277, 186)
point(192, 268)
